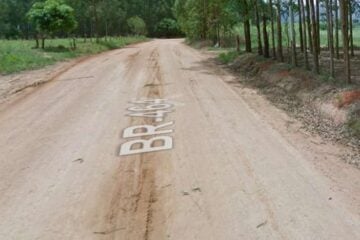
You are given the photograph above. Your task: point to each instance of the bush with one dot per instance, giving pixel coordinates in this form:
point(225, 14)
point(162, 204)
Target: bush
point(137, 26)
point(167, 27)
point(323, 26)
point(228, 57)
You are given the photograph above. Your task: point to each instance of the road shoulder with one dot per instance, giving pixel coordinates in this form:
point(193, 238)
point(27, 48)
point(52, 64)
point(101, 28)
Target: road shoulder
point(324, 154)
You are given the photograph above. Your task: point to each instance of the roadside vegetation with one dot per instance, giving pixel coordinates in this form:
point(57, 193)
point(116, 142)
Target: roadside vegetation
point(36, 33)
point(295, 31)
point(228, 57)
point(19, 55)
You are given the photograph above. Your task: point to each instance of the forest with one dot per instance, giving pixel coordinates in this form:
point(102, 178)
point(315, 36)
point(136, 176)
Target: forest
point(296, 31)
point(93, 17)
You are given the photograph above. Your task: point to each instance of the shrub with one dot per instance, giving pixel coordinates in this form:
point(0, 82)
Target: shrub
point(228, 57)
point(137, 25)
point(167, 27)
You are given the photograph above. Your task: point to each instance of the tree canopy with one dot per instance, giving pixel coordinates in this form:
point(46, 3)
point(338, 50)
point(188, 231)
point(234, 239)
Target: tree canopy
point(137, 25)
point(276, 27)
point(94, 17)
point(52, 16)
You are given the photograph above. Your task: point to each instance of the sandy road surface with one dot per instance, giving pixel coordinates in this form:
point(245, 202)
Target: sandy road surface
point(230, 174)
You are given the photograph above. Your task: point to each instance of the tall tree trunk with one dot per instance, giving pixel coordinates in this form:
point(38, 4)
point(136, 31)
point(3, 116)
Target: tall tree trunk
point(314, 37)
point(204, 20)
point(344, 4)
point(37, 41)
point(247, 31)
point(317, 2)
point(337, 29)
point(308, 20)
point(218, 37)
point(288, 44)
point(272, 29)
point(351, 29)
point(237, 43)
point(300, 28)
point(74, 43)
point(95, 15)
point(27, 31)
point(279, 32)
point(43, 42)
point(106, 30)
point(330, 34)
point(84, 32)
point(266, 37)
point(91, 30)
point(293, 35)
point(260, 48)
point(302, 12)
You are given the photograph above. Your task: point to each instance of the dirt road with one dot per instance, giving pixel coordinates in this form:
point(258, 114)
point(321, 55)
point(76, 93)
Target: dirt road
point(69, 167)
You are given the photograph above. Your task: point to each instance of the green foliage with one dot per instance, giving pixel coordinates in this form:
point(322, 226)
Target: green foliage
point(354, 126)
point(13, 22)
point(18, 55)
point(323, 26)
point(3, 18)
point(167, 28)
point(205, 19)
point(228, 57)
point(94, 17)
point(137, 25)
point(52, 16)
point(188, 15)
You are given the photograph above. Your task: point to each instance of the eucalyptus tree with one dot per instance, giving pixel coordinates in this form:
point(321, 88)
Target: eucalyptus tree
point(329, 17)
point(309, 28)
point(245, 9)
point(336, 9)
point(271, 11)
point(315, 36)
point(279, 32)
point(293, 33)
point(300, 26)
point(344, 10)
point(304, 39)
point(265, 33)
point(257, 22)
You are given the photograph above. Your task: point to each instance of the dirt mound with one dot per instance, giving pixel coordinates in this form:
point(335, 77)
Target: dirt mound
point(348, 97)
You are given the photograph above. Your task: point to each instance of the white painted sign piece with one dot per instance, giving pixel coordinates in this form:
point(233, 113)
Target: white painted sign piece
point(156, 109)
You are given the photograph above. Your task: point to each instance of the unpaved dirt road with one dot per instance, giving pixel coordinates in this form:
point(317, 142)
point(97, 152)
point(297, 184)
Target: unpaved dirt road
point(228, 175)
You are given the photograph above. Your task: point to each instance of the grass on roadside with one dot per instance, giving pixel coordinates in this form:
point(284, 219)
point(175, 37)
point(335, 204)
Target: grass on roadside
point(354, 126)
point(19, 55)
point(228, 57)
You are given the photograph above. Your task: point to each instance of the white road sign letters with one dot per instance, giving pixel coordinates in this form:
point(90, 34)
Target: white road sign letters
point(148, 108)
